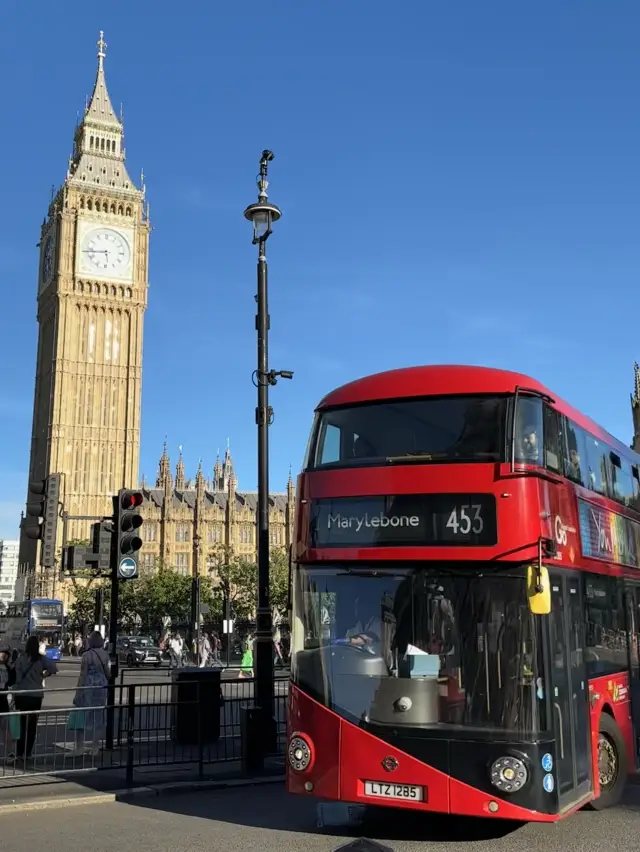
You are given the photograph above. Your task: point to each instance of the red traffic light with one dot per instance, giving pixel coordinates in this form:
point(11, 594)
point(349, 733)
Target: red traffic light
point(132, 500)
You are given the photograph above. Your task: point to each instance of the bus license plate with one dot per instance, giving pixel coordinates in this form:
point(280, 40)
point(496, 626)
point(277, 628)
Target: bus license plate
point(394, 791)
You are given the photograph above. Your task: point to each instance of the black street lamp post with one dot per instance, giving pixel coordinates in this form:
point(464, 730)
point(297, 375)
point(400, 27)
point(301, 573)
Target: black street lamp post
point(263, 214)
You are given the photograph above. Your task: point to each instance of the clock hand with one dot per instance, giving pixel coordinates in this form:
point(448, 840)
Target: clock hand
point(94, 251)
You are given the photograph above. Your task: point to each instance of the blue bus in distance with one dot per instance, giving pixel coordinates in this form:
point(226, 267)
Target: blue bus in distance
point(41, 617)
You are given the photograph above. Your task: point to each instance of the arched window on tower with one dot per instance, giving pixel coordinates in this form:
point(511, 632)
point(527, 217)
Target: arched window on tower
point(91, 141)
point(102, 144)
point(89, 204)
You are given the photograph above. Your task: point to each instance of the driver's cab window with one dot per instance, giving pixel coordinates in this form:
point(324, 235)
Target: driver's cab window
point(337, 444)
point(329, 444)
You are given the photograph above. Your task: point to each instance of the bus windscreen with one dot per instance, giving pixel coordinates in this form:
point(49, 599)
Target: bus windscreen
point(437, 429)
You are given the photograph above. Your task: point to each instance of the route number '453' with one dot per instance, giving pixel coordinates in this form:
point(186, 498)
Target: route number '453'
point(466, 519)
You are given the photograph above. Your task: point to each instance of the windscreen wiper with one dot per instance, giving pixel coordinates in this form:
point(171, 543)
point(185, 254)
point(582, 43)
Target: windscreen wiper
point(410, 458)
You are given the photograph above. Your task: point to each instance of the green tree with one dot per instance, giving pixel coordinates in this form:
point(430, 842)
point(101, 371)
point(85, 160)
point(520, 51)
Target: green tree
point(82, 610)
point(241, 577)
point(164, 593)
point(279, 579)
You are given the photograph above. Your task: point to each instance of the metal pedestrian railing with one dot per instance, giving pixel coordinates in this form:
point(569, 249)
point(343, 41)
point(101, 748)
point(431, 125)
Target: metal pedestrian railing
point(186, 720)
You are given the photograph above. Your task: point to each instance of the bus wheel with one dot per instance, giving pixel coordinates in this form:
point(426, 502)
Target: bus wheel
point(612, 764)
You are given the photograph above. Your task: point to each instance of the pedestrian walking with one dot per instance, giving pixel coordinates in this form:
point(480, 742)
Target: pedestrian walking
point(246, 664)
point(31, 670)
point(175, 651)
point(277, 646)
point(205, 650)
point(7, 680)
point(89, 719)
point(216, 647)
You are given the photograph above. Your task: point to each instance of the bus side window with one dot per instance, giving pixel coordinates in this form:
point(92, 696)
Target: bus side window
point(606, 630)
point(575, 453)
point(621, 479)
point(598, 464)
point(635, 484)
point(553, 448)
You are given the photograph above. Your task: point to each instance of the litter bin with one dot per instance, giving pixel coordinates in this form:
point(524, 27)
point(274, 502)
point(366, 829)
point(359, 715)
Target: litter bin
point(196, 696)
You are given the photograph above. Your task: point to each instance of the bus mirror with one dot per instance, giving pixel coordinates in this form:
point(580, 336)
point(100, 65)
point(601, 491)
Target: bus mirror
point(538, 590)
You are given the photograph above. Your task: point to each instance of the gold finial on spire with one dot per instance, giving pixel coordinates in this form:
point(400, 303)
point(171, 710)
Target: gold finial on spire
point(102, 48)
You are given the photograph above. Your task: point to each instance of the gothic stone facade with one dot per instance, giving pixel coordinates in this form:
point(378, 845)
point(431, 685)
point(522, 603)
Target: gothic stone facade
point(188, 525)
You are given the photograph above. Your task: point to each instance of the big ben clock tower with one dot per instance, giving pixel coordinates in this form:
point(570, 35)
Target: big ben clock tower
point(92, 294)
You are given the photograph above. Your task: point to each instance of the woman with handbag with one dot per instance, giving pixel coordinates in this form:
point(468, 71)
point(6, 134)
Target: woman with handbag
point(89, 719)
point(31, 670)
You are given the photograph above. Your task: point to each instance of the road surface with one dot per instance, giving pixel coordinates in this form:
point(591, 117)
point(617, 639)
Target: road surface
point(265, 819)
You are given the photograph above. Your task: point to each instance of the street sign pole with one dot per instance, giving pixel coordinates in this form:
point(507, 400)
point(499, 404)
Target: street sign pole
point(113, 638)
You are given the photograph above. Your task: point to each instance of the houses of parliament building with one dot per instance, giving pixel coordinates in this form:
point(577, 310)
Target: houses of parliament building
point(187, 523)
point(93, 278)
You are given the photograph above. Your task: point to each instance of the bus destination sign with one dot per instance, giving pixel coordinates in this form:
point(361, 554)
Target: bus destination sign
point(404, 520)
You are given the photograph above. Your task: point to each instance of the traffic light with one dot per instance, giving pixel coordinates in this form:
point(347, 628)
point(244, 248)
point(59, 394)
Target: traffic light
point(128, 521)
point(42, 516)
point(101, 536)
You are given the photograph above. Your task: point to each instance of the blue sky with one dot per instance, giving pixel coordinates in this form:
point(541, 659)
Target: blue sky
point(459, 183)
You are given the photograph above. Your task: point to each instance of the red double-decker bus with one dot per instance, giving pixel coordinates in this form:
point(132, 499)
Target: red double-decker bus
point(465, 600)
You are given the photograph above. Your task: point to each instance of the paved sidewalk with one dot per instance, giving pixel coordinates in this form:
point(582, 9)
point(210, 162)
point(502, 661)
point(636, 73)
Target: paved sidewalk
point(108, 785)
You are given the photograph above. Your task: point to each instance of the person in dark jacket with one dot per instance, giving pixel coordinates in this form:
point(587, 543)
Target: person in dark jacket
point(32, 668)
point(7, 679)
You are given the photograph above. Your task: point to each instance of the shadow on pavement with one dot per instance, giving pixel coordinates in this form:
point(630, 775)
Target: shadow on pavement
point(270, 807)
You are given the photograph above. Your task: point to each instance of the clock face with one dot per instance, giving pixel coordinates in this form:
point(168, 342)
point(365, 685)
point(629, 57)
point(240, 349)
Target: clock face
point(47, 260)
point(106, 251)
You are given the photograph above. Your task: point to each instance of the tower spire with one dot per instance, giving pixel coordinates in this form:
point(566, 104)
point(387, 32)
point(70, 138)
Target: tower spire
point(180, 480)
point(100, 108)
point(98, 154)
point(102, 49)
point(164, 468)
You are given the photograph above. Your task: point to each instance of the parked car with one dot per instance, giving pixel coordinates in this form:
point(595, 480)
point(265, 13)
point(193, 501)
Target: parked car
point(138, 651)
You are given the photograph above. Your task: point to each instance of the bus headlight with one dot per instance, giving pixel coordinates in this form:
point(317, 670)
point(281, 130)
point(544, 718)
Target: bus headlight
point(299, 753)
point(509, 774)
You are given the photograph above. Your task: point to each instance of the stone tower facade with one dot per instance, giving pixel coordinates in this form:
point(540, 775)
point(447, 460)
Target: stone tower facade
point(92, 295)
